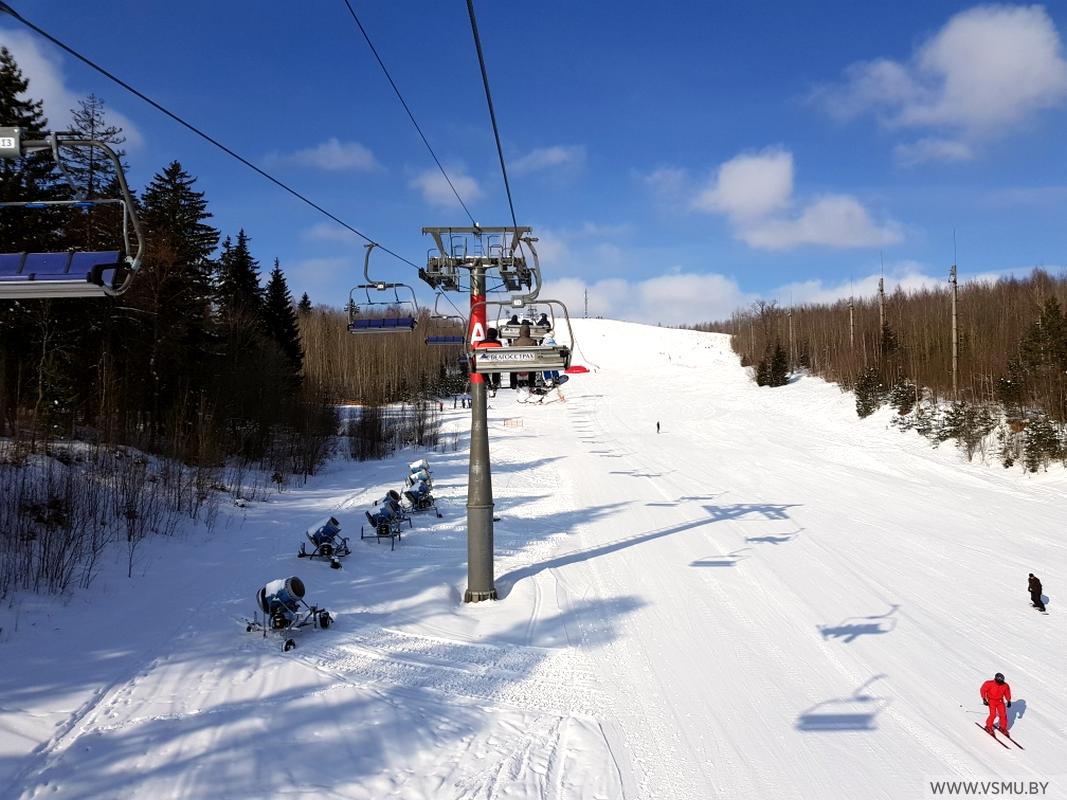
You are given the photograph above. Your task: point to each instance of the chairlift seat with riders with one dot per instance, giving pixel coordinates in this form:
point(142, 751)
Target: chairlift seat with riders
point(70, 273)
point(541, 323)
point(523, 358)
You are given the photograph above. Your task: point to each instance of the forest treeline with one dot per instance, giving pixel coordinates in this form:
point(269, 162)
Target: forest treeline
point(1011, 398)
point(119, 415)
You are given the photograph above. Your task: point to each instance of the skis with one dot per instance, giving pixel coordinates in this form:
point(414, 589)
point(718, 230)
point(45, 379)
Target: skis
point(1007, 736)
point(994, 736)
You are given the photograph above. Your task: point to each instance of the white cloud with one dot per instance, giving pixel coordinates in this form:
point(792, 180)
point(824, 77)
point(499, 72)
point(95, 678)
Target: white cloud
point(436, 191)
point(932, 149)
point(329, 232)
point(755, 193)
point(675, 298)
point(333, 155)
point(750, 186)
point(550, 158)
point(666, 181)
point(833, 220)
point(989, 70)
point(44, 70)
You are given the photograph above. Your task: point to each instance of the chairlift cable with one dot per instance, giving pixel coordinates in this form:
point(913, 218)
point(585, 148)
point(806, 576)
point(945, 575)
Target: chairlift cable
point(492, 113)
point(411, 116)
point(4, 7)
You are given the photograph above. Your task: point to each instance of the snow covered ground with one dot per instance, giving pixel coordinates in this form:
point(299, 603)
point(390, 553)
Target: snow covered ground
point(769, 599)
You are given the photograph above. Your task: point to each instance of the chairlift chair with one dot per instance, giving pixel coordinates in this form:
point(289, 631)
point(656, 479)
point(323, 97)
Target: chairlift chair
point(72, 273)
point(441, 324)
point(541, 323)
point(523, 358)
point(394, 322)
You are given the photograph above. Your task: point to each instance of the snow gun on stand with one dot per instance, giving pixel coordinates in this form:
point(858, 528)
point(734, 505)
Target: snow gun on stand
point(285, 610)
point(327, 542)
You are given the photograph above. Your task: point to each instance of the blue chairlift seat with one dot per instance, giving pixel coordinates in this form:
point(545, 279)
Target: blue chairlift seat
point(445, 341)
point(383, 325)
point(70, 274)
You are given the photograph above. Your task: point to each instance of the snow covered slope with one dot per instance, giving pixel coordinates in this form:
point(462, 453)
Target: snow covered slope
point(769, 598)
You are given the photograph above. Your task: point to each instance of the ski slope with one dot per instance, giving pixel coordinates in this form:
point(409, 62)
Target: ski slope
point(769, 599)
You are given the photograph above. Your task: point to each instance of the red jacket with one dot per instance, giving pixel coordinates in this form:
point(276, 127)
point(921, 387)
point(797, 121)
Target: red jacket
point(995, 692)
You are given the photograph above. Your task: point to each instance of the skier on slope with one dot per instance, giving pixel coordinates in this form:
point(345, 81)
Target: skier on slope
point(1035, 592)
point(994, 694)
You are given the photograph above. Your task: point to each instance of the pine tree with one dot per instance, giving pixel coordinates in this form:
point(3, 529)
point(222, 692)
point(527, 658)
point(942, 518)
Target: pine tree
point(28, 178)
point(888, 345)
point(763, 369)
point(239, 292)
point(902, 396)
point(1045, 344)
point(168, 349)
point(304, 306)
point(1042, 443)
point(870, 392)
point(279, 320)
point(94, 174)
point(778, 373)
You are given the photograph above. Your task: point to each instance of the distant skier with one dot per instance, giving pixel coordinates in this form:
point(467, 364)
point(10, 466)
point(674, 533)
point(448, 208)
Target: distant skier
point(1035, 593)
point(994, 694)
point(657, 426)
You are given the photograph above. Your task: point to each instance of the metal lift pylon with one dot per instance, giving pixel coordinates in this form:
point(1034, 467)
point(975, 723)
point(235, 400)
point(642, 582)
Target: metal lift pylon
point(442, 272)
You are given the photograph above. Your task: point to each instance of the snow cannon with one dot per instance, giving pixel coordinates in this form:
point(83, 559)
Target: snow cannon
point(280, 600)
point(284, 609)
point(327, 542)
point(419, 475)
point(421, 464)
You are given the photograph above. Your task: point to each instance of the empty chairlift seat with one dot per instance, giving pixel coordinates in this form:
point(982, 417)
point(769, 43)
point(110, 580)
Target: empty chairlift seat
point(67, 274)
point(383, 325)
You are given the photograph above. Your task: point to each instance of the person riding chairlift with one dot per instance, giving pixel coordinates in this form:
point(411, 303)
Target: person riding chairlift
point(492, 339)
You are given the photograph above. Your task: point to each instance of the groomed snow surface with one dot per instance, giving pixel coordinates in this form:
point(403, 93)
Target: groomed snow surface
point(769, 599)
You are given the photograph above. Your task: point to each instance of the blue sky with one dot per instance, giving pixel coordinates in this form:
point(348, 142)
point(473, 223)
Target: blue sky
point(677, 162)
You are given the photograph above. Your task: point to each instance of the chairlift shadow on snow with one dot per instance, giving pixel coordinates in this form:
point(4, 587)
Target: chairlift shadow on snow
point(854, 713)
point(771, 539)
point(851, 628)
point(506, 581)
point(773, 511)
point(727, 560)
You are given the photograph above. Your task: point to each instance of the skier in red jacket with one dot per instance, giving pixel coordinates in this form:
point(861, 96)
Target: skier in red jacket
point(994, 694)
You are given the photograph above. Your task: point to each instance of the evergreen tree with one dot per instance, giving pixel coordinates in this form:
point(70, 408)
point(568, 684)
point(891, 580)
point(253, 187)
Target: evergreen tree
point(305, 304)
point(1045, 344)
point(902, 396)
point(28, 178)
point(870, 392)
point(279, 320)
point(888, 345)
point(239, 292)
point(167, 348)
point(778, 372)
point(763, 369)
point(94, 174)
point(1042, 443)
